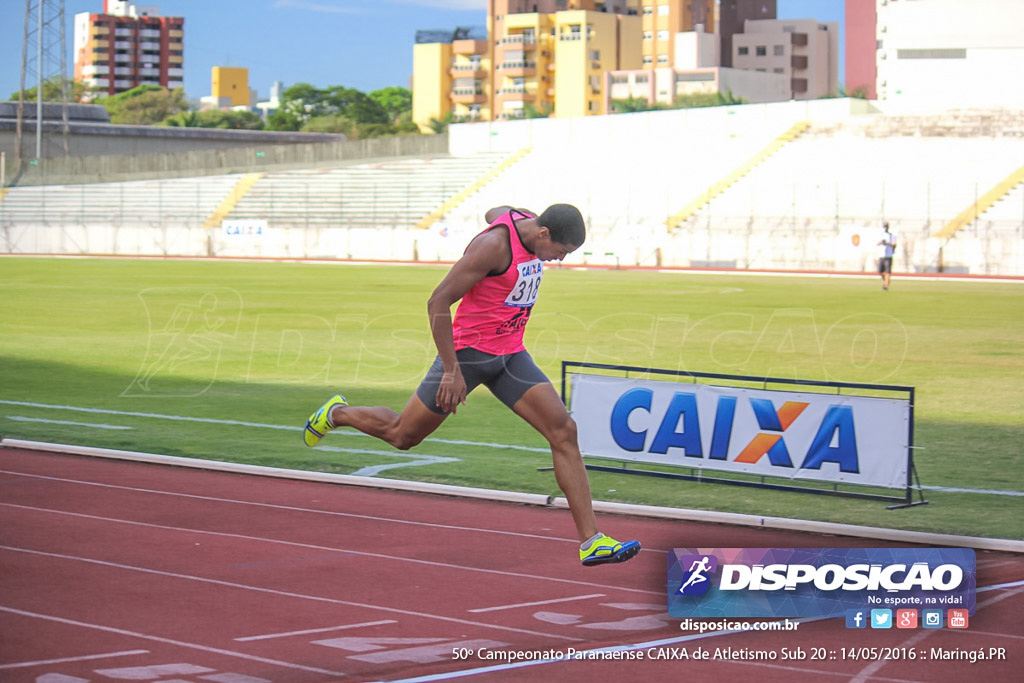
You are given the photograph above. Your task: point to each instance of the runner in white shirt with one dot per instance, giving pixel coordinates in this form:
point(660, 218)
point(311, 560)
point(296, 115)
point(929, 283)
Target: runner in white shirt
point(888, 248)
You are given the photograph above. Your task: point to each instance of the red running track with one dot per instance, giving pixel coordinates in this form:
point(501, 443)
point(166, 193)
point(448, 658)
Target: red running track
point(126, 571)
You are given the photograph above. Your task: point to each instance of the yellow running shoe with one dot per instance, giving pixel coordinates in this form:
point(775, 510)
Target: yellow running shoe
point(319, 423)
point(606, 550)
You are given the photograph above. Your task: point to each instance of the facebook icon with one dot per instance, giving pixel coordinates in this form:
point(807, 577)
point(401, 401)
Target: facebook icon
point(856, 618)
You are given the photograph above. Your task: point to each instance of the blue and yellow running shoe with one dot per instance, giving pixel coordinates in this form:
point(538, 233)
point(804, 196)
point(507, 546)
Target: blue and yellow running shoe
point(606, 550)
point(319, 423)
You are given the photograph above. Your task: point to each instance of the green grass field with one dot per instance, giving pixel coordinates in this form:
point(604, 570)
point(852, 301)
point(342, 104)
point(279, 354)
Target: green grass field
point(266, 343)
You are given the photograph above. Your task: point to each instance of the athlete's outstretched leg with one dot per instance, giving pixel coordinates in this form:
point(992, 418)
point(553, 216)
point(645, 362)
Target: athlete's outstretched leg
point(541, 407)
point(402, 430)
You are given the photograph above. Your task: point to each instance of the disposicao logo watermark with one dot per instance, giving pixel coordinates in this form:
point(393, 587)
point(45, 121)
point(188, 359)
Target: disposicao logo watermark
point(818, 582)
point(696, 581)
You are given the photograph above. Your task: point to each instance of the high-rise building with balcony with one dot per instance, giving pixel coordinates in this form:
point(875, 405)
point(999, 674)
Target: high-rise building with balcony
point(544, 56)
point(664, 20)
point(128, 45)
point(806, 51)
point(732, 14)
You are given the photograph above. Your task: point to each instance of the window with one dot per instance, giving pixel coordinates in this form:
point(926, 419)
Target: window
point(778, 50)
point(933, 53)
point(688, 76)
point(662, 59)
point(648, 35)
point(662, 10)
point(662, 35)
point(743, 50)
point(761, 50)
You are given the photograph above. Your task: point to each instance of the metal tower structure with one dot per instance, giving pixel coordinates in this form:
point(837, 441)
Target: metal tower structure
point(44, 63)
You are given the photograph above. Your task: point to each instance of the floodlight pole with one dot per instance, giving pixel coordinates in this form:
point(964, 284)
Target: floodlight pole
point(48, 31)
point(39, 83)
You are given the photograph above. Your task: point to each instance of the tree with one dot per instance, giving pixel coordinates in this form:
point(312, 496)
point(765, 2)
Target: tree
point(144, 105)
point(215, 118)
point(714, 99)
point(530, 111)
point(355, 105)
point(394, 100)
point(285, 120)
point(76, 91)
point(633, 104)
point(440, 125)
point(185, 119)
point(332, 124)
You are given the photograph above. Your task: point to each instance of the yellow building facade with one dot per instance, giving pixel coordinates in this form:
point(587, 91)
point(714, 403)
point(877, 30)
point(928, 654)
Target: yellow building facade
point(662, 20)
point(431, 83)
point(534, 63)
point(231, 82)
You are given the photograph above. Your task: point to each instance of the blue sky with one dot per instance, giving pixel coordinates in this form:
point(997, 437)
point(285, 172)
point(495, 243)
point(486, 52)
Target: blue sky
point(362, 44)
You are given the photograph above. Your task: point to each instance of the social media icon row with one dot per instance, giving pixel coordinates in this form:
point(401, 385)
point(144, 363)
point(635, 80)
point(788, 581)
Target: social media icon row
point(905, 618)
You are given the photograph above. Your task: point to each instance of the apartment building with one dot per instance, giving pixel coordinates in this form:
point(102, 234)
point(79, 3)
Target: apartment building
point(948, 53)
point(128, 45)
point(805, 51)
point(733, 14)
point(861, 47)
point(664, 20)
point(230, 84)
point(694, 70)
point(547, 56)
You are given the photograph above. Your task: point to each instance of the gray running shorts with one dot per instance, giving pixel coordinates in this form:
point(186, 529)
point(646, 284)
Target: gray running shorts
point(508, 377)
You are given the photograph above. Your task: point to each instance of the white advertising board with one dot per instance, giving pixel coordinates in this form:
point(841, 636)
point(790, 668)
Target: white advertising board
point(798, 435)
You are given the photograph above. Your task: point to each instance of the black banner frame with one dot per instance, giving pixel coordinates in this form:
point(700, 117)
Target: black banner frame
point(697, 474)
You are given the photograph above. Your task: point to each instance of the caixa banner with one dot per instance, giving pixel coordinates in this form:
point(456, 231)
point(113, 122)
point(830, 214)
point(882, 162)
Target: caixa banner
point(817, 582)
point(860, 440)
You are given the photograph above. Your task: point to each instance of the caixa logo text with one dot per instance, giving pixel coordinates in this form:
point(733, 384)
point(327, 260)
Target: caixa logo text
point(834, 441)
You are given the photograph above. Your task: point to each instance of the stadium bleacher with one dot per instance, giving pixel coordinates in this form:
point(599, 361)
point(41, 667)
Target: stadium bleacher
point(815, 202)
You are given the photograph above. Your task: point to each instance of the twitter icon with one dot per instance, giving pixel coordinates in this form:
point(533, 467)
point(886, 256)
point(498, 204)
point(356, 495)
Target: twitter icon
point(881, 618)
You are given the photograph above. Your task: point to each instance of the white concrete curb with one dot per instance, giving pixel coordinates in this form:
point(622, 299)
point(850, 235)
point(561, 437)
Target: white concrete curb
point(259, 470)
point(682, 514)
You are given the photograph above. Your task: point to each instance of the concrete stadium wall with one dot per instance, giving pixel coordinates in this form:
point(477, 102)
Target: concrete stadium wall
point(212, 153)
point(645, 128)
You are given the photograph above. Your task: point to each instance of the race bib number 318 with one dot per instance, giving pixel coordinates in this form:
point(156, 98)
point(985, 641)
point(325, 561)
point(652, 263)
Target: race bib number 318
point(524, 293)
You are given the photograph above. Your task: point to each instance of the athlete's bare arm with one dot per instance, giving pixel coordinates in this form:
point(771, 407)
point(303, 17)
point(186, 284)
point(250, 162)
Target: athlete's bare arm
point(496, 213)
point(489, 252)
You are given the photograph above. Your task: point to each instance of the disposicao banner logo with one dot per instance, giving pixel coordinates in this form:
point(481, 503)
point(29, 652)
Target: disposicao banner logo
point(817, 582)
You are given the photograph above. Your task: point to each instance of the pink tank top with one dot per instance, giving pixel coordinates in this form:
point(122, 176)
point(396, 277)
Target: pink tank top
point(493, 314)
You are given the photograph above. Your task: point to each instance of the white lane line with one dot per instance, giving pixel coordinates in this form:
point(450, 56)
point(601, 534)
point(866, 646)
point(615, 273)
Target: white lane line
point(412, 460)
point(339, 551)
point(534, 604)
point(332, 513)
point(261, 425)
point(868, 672)
point(1000, 586)
point(347, 432)
point(315, 630)
point(170, 641)
point(65, 660)
point(287, 594)
point(466, 673)
point(20, 418)
point(983, 492)
point(585, 655)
